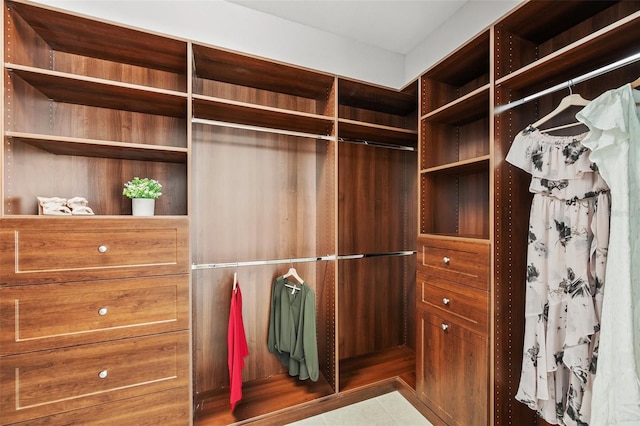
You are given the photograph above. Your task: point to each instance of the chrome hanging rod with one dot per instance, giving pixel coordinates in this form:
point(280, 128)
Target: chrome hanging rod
point(260, 129)
point(262, 262)
point(377, 144)
point(298, 260)
point(595, 73)
point(389, 253)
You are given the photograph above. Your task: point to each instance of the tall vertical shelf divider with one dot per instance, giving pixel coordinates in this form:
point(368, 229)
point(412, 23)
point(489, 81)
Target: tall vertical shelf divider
point(474, 206)
point(87, 106)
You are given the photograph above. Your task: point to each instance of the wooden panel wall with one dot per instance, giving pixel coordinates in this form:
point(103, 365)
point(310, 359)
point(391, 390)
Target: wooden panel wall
point(376, 214)
point(256, 198)
point(377, 193)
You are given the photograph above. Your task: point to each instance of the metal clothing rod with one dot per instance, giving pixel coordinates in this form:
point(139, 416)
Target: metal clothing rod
point(390, 253)
point(595, 73)
point(377, 144)
point(261, 262)
point(298, 260)
point(260, 129)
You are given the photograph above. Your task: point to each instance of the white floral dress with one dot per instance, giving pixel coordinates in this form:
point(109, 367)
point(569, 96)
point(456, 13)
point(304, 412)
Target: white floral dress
point(566, 262)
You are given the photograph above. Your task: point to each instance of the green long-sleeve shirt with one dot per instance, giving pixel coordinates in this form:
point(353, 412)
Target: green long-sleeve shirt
point(292, 328)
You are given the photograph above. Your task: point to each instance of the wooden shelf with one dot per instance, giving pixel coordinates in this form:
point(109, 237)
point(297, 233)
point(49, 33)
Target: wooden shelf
point(444, 144)
point(243, 70)
point(460, 76)
point(102, 149)
point(256, 115)
point(559, 17)
point(88, 37)
point(376, 133)
point(374, 367)
point(69, 88)
point(377, 114)
point(375, 98)
point(259, 397)
point(472, 165)
point(614, 42)
point(467, 64)
point(459, 237)
point(463, 110)
point(455, 199)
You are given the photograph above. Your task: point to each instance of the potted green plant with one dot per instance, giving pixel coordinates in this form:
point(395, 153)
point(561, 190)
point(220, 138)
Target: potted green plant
point(143, 193)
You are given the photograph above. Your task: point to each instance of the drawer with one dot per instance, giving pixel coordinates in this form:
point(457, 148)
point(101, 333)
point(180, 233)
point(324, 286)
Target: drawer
point(167, 408)
point(42, 383)
point(458, 261)
point(48, 316)
point(455, 302)
point(41, 250)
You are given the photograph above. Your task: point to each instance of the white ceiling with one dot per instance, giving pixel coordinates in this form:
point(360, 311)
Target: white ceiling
point(394, 25)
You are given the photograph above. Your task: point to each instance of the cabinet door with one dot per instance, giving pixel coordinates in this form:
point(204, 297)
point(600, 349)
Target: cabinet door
point(453, 377)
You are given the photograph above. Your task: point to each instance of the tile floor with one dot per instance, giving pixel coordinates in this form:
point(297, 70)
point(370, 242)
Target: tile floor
point(385, 410)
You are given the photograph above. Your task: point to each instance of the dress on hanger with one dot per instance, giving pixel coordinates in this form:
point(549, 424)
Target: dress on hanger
point(613, 120)
point(566, 262)
point(237, 348)
point(292, 328)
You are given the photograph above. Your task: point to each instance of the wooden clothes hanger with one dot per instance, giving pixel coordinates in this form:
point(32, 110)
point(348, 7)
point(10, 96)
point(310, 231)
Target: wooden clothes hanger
point(572, 100)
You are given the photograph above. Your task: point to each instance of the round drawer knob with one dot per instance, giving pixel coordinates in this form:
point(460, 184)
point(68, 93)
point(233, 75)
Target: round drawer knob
point(444, 327)
point(446, 301)
point(103, 374)
point(446, 260)
point(102, 312)
point(102, 249)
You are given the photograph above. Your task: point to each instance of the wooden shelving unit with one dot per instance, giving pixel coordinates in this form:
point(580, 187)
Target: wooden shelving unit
point(78, 101)
point(474, 206)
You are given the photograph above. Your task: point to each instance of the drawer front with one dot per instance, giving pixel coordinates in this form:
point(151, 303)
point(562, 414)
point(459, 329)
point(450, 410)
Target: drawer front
point(167, 408)
point(40, 250)
point(43, 383)
point(457, 261)
point(455, 302)
point(55, 315)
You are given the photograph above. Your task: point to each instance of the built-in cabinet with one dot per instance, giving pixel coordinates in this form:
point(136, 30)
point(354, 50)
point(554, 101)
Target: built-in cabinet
point(94, 310)
point(474, 206)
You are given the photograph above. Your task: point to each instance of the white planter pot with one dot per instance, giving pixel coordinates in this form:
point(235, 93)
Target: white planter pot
point(143, 206)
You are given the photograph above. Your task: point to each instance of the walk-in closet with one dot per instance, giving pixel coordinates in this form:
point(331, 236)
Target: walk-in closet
point(395, 206)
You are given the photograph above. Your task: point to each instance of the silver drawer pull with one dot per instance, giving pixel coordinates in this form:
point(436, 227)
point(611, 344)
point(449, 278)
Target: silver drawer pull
point(445, 301)
point(103, 374)
point(102, 312)
point(102, 249)
point(446, 260)
point(444, 327)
